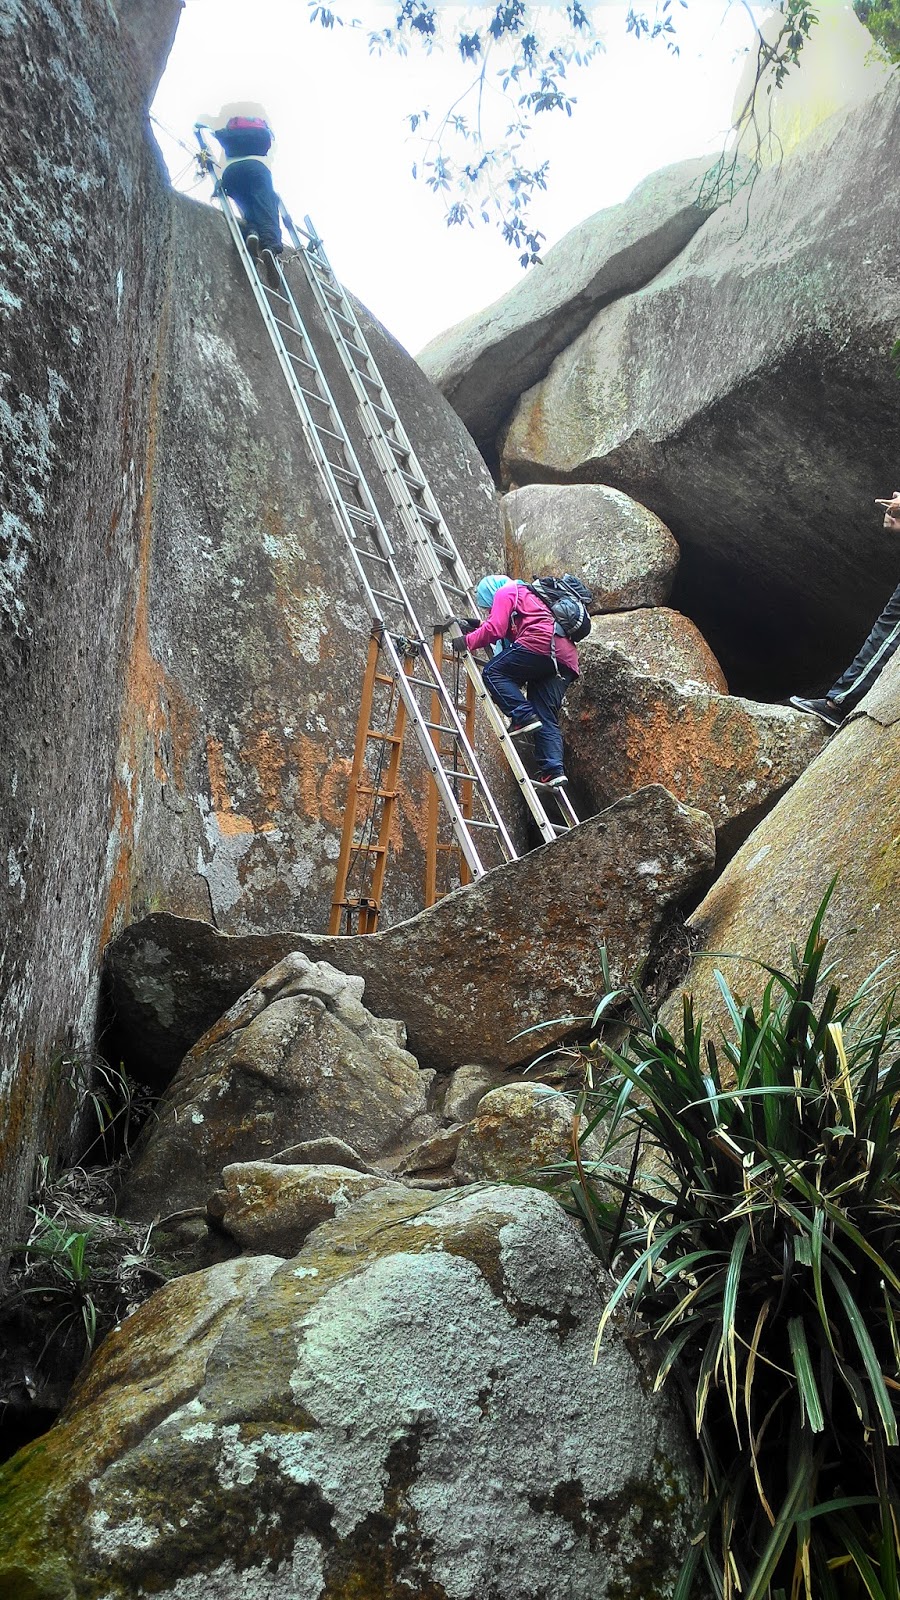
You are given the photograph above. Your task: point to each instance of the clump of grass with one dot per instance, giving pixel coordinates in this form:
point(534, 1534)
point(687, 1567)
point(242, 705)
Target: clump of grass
point(80, 1269)
point(755, 1230)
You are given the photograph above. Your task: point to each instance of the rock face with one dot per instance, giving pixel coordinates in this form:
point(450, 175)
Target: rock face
point(269, 1209)
point(730, 757)
point(84, 222)
point(483, 364)
point(516, 1130)
point(298, 1057)
point(181, 642)
point(619, 548)
point(841, 817)
point(751, 372)
point(467, 1087)
point(515, 949)
point(407, 1407)
point(659, 643)
point(256, 628)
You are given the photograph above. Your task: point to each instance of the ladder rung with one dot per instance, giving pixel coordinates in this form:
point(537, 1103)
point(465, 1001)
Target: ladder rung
point(369, 849)
point(395, 599)
point(329, 433)
point(453, 772)
point(369, 555)
point(424, 683)
point(414, 483)
point(362, 515)
point(384, 738)
point(471, 823)
point(380, 794)
point(288, 325)
point(440, 727)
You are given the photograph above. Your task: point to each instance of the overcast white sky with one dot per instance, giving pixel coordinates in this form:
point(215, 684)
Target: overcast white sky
point(344, 154)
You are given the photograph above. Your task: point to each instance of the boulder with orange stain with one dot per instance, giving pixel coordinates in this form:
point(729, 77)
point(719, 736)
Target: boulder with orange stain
point(841, 822)
point(730, 757)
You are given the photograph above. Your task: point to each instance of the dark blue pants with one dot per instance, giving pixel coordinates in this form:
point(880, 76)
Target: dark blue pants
point(508, 673)
point(873, 657)
point(249, 184)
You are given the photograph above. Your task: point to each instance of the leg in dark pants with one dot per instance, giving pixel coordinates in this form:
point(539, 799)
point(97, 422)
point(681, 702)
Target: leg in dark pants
point(249, 184)
point(512, 670)
point(872, 658)
point(546, 697)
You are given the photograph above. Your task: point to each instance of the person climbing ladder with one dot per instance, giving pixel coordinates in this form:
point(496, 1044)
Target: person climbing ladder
point(537, 658)
point(245, 136)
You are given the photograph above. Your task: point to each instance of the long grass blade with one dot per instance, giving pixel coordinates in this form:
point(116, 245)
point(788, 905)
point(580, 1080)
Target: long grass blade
point(867, 1351)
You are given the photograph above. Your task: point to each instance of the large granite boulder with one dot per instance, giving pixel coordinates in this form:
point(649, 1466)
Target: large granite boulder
point(619, 548)
point(268, 1208)
point(298, 1057)
point(246, 680)
point(406, 1407)
point(84, 221)
point(747, 395)
point(181, 640)
point(732, 758)
point(842, 817)
point(483, 364)
point(516, 1132)
point(518, 948)
point(660, 643)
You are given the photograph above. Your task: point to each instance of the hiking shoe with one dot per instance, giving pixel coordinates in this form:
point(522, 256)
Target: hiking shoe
point(529, 724)
point(268, 261)
point(551, 780)
point(252, 243)
point(826, 709)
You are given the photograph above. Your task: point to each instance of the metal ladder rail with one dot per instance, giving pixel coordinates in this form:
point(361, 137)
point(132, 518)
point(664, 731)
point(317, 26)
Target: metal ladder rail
point(366, 516)
point(451, 580)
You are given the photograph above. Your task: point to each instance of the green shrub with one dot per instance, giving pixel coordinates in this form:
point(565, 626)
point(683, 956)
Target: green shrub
point(882, 18)
point(757, 1236)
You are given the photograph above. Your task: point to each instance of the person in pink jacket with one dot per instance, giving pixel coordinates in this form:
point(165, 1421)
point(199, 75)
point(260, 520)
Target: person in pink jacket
point(531, 658)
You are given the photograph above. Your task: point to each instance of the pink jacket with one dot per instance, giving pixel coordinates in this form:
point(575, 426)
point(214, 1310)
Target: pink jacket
point(518, 615)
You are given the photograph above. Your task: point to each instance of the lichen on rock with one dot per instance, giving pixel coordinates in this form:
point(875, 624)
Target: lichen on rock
point(406, 1406)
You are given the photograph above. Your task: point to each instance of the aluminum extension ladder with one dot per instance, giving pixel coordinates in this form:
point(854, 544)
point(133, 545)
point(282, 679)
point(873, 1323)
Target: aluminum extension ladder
point(402, 669)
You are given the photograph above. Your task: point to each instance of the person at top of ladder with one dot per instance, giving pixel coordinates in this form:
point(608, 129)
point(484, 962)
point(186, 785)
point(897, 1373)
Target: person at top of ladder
point(536, 660)
point(242, 129)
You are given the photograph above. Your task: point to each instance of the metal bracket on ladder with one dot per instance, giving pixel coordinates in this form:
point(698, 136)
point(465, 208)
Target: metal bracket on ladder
point(418, 692)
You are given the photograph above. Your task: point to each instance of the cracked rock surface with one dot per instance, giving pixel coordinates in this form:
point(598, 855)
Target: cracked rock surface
point(841, 817)
point(405, 1408)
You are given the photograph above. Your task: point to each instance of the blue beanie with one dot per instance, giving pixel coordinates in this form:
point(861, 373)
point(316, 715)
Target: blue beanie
point(488, 587)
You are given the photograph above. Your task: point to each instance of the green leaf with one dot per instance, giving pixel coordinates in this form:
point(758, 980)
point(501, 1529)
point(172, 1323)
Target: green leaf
point(867, 1351)
point(809, 1394)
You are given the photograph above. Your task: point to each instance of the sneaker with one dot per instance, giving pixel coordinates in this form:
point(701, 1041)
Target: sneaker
point(267, 259)
point(826, 709)
point(551, 780)
point(530, 724)
point(252, 243)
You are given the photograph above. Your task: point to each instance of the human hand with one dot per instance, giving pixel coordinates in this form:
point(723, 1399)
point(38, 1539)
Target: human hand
point(891, 509)
point(458, 645)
